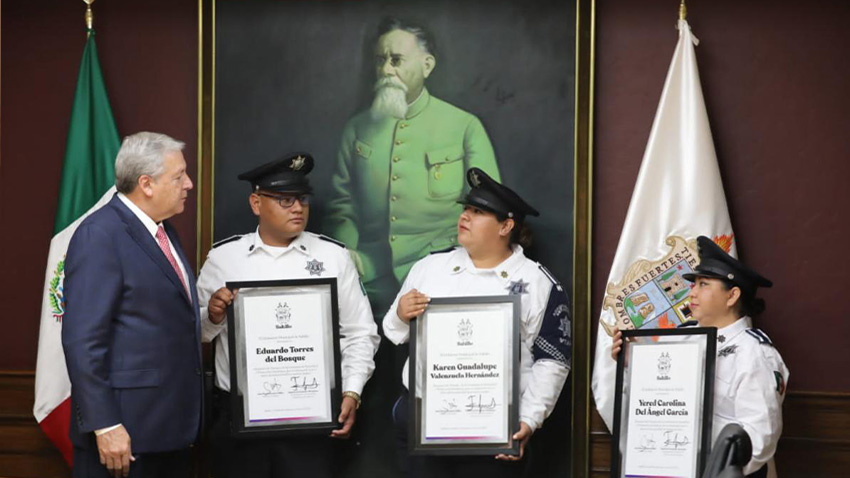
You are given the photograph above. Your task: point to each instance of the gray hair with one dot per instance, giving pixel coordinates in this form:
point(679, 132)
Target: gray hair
point(142, 154)
point(423, 36)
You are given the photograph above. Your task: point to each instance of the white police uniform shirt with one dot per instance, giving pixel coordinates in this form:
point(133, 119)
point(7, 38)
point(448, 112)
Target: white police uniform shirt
point(243, 258)
point(546, 328)
point(750, 381)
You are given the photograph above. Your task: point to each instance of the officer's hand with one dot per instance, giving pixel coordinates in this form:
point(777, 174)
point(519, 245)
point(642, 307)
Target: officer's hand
point(412, 305)
point(522, 436)
point(217, 308)
point(617, 344)
point(347, 415)
point(114, 450)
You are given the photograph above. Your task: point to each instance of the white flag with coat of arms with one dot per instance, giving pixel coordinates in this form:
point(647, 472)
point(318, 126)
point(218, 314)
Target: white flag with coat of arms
point(678, 196)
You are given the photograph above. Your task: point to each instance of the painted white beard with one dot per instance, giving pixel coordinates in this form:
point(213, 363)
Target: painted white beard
point(390, 99)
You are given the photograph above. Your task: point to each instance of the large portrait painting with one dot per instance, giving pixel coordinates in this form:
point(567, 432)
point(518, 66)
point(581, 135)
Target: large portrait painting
point(395, 101)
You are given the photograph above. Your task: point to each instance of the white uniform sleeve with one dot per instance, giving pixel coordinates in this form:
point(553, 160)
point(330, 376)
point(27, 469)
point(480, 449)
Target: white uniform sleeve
point(359, 338)
point(210, 280)
point(758, 404)
point(552, 330)
point(396, 329)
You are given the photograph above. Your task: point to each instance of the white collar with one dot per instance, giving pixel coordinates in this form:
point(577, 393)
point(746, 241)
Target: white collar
point(504, 271)
point(300, 244)
point(149, 223)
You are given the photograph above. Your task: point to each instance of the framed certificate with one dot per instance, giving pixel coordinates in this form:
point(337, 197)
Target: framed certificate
point(464, 377)
point(284, 357)
point(663, 405)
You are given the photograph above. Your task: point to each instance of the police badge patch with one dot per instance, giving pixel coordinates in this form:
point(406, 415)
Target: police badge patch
point(315, 268)
point(517, 287)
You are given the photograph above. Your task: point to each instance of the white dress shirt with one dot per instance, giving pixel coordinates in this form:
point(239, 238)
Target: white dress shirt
point(244, 258)
point(546, 328)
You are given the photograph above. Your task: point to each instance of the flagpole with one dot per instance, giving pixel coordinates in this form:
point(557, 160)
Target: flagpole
point(683, 10)
point(90, 16)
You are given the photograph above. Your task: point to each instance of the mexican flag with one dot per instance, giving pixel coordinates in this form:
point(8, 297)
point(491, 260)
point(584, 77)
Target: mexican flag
point(88, 178)
point(678, 196)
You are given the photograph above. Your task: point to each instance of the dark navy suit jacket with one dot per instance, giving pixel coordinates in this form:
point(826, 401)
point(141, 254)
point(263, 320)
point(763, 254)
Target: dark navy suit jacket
point(131, 335)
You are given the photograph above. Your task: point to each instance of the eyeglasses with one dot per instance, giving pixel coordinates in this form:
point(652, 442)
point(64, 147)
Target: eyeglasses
point(286, 202)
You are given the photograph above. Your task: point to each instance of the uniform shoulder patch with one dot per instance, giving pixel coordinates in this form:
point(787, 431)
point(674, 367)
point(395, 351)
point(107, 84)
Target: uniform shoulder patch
point(551, 277)
point(760, 336)
point(331, 240)
point(441, 251)
point(228, 240)
point(690, 323)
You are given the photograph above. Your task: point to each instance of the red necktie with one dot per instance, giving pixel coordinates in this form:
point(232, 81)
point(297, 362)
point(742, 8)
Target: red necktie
point(162, 240)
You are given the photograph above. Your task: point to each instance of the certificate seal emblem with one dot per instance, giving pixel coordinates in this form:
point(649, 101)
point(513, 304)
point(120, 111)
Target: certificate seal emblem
point(464, 332)
point(315, 268)
point(664, 364)
point(282, 315)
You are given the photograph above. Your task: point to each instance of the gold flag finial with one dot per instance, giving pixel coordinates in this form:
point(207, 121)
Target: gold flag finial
point(683, 10)
point(89, 14)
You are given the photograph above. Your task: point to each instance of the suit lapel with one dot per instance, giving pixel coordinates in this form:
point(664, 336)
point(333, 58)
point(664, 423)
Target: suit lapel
point(143, 238)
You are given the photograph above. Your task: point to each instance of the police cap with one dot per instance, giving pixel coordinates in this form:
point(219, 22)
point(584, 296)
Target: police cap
point(715, 263)
point(287, 174)
point(487, 194)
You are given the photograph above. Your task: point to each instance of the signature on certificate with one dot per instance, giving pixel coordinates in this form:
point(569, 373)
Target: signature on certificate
point(647, 443)
point(303, 384)
point(271, 388)
point(674, 441)
point(448, 407)
point(480, 404)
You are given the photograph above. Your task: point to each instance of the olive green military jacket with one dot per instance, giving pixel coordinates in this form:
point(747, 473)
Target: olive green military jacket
point(397, 183)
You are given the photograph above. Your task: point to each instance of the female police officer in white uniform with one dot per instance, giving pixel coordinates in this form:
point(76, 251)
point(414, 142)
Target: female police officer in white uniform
point(750, 376)
point(491, 262)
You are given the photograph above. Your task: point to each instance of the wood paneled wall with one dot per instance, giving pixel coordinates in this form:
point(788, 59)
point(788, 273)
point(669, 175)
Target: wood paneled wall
point(815, 440)
point(24, 450)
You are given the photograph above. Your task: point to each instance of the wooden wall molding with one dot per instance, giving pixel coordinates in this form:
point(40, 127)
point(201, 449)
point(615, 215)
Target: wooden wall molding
point(815, 437)
point(25, 452)
point(815, 440)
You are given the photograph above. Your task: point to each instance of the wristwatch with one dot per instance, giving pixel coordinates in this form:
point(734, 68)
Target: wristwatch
point(355, 396)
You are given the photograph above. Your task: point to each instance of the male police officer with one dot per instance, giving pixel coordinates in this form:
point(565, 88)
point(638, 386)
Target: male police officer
point(280, 248)
point(401, 165)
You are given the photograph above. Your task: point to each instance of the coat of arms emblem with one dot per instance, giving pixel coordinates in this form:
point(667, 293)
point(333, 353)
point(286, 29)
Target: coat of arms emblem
point(664, 363)
point(464, 332)
point(653, 294)
point(283, 315)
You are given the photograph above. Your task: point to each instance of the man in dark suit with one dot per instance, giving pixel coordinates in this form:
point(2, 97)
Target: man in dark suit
point(131, 332)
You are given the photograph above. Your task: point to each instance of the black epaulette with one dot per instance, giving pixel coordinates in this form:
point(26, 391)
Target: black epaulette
point(225, 241)
point(690, 323)
point(331, 240)
point(548, 274)
point(760, 336)
point(441, 251)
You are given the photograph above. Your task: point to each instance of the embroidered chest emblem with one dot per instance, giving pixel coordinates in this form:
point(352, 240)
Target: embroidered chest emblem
point(518, 287)
point(721, 338)
point(315, 268)
point(725, 352)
